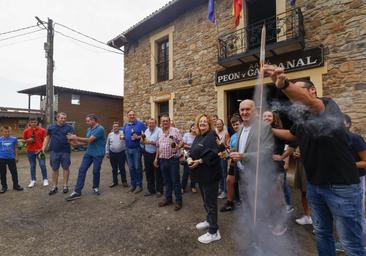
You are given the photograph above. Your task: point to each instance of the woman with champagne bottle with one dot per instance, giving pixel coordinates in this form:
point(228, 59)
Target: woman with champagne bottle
point(205, 169)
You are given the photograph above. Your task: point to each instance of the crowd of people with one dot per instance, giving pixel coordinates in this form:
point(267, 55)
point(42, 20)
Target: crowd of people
point(223, 163)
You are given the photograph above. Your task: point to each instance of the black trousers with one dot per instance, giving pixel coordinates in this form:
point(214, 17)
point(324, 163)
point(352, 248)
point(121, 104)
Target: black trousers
point(153, 175)
point(118, 161)
point(209, 193)
point(13, 171)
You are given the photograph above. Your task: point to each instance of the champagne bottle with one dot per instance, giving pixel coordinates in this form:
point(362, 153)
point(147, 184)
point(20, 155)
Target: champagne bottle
point(172, 142)
point(143, 135)
point(33, 137)
point(42, 155)
point(187, 157)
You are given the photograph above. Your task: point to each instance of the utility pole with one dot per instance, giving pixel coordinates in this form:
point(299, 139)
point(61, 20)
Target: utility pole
point(48, 47)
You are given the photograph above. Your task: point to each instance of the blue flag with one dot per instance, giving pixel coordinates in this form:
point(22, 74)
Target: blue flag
point(211, 11)
point(293, 3)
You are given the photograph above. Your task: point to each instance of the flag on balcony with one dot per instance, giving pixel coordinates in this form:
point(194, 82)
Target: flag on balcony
point(293, 3)
point(211, 11)
point(237, 10)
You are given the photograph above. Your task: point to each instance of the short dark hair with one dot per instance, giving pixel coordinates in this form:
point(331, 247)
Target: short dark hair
point(215, 116)
point(234, 119)
point(347, 119)
point(307, 83)
point(165, 115)
point(92, 117)
point(130, 111)
point(33, 119)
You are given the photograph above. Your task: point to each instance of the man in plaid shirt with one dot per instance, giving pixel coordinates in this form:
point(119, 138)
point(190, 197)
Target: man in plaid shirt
point(167, 156)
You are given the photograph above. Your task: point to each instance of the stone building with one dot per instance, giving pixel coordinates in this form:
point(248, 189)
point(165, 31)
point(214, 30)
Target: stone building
point(180, 63)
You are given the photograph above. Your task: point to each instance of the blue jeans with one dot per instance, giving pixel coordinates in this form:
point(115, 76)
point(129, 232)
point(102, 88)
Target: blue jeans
point(170, 170)
point(223, 165)
point(286, 190)
point(32, 157)
point(85, 164)
point(135, 166)
point(343, 204)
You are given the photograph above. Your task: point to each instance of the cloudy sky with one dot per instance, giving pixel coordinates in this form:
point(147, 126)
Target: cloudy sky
point(22, 59)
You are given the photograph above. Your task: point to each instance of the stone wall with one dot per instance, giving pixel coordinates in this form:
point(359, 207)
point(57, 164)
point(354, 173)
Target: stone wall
point(195, 52)
point(340, 25)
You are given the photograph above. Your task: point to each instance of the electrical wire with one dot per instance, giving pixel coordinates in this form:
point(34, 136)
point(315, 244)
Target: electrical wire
point(81, 41)
point(19, 42)
point(23, 34)
point(92, 38)
point(16, 30)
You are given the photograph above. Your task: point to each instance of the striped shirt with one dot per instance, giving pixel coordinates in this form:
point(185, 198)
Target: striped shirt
point(164, 143)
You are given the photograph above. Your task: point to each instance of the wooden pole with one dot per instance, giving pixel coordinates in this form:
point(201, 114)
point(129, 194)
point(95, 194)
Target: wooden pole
point(261, 88)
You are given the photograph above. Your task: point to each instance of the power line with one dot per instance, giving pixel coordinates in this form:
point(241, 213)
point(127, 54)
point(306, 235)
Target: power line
point(81, 41)
point(92, 38)
point(23, 34)
point(16, 30)
point(22, 41)
point(73, 30)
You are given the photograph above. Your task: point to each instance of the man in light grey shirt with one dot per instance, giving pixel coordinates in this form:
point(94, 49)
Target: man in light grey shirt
point(153, 175)
point(115, 150)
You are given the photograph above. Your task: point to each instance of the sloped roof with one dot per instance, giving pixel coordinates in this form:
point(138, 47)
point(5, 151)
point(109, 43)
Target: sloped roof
point(157, 19)
point(41, 90)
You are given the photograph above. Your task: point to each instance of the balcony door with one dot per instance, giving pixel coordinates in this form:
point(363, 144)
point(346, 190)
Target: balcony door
point(258, 12)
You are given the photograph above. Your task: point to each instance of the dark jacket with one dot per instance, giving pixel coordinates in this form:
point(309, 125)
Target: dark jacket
point(204, 147)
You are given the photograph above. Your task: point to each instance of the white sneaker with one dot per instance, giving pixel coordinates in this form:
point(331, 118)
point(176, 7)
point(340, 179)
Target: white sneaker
point(222, 195)
point(32, 184)
point(304, 220)
point(289, 209)
point(45, 183)
point(203, 225)
point(208, 238)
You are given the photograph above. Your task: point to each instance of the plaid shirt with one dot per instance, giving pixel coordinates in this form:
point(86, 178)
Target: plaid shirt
point(164, 143)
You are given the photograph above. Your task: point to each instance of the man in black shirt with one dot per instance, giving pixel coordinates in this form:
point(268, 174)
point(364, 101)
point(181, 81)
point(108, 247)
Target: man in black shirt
point(334, 190)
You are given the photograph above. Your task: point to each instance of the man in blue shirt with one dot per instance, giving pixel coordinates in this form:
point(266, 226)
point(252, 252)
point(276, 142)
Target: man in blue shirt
point(8, 157)
point(132, 134)
point(153, 175)
point(59, 150)
point(95, 139)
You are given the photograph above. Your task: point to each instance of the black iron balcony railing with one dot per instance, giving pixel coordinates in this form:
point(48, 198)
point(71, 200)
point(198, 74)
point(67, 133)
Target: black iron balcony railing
point(283, 27)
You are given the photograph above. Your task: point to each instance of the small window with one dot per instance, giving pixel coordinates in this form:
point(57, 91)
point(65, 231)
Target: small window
point(162, 65)
point(75, 99)
point(71, 123)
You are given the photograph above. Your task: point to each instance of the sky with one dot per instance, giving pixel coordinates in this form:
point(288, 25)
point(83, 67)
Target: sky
point(22, 59)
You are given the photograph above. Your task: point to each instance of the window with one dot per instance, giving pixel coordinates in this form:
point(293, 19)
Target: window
point(75, 99)
point(71, 123)
point(161, 45)
point(162, 65)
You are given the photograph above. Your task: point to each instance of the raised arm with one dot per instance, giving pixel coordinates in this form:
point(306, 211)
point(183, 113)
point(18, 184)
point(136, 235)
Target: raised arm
point(293, 91)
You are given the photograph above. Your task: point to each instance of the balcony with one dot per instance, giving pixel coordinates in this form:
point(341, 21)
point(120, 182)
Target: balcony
point(284, 33)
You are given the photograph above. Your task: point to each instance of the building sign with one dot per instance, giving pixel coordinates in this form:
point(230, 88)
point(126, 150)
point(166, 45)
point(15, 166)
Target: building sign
point(291, 62)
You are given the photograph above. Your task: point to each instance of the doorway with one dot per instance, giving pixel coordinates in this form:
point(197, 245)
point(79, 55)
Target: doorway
point(163, 109)
point(258, 12)
point(273, 97)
